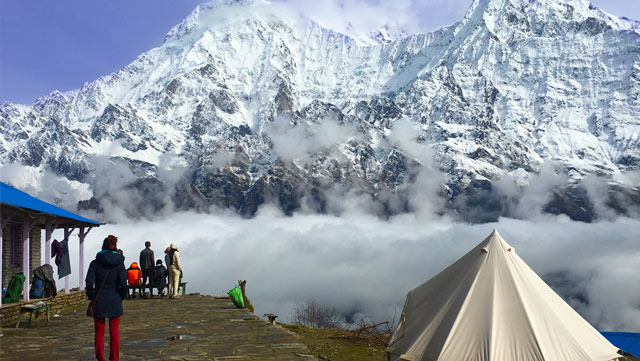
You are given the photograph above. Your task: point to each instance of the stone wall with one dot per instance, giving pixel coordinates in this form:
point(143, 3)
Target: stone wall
point(62, 302)
point(35, 251)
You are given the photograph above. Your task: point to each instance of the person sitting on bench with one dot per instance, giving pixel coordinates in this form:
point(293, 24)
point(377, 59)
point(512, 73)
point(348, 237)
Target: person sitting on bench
point(134, 276)
point(160, 277)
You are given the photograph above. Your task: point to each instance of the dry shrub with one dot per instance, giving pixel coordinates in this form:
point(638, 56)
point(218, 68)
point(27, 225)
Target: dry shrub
point(312, 314)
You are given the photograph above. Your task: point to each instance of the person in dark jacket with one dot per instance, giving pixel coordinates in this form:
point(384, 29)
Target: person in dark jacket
point(106, 282)
point(160, 277)
point(147, 265)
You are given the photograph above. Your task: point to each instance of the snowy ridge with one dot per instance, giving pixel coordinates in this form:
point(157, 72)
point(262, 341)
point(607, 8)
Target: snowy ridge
point(256, 105)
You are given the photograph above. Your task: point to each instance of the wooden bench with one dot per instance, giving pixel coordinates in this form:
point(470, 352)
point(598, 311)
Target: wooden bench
point(272, 318)
point(37, 307)
point(140, 288)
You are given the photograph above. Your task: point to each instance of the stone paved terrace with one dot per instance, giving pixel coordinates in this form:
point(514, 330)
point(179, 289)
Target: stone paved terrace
point(194, 327)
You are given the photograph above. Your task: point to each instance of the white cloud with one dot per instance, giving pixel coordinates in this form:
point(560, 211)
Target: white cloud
point(44, 184)
point(222, 159)
point(364, 265)
point(298, 141)
point(362, 16)
point(426, 188)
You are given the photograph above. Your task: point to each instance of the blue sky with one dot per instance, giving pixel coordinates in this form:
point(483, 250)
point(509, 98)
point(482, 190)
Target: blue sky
point(49, 45)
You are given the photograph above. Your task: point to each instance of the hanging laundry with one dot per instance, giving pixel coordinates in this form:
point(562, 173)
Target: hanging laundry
point(57, 251)
point(64, 268)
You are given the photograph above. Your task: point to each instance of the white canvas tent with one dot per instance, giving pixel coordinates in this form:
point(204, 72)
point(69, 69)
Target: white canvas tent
point(490, 306)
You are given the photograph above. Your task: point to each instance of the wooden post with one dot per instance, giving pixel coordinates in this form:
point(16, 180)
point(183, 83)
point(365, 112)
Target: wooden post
point(67, 233)
point(82, 236)
point(26, 240)
point(25, 260)
point(243, 288)
point(47, 242)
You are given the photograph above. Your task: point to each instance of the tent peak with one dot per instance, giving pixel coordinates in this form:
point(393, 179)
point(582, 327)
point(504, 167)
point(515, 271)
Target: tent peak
point(495, 241)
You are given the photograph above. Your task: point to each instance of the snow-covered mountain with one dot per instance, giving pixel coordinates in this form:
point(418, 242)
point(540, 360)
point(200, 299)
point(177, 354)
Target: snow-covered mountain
point(521, 103)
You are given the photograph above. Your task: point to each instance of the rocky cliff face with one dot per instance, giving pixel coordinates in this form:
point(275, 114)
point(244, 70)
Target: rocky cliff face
point(242, 105)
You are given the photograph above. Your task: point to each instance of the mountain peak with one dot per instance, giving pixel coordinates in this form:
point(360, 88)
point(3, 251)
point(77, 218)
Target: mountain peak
point(262, 103)
point(215, 12)
point(195, 19)
point(491, 11)
point(508, 20)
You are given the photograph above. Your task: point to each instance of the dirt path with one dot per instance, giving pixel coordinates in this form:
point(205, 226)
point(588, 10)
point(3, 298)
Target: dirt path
point(190, 328)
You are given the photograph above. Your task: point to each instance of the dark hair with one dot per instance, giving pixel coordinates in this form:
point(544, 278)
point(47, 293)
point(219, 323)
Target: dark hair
point(159, 261)
point(147, 244)
point(110, 243)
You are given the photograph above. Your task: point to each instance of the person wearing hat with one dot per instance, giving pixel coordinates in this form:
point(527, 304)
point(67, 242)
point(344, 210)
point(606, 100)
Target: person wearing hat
point(172, 259)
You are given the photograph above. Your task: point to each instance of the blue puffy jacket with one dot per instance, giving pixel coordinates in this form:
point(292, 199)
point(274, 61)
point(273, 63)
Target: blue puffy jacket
point(109, 302)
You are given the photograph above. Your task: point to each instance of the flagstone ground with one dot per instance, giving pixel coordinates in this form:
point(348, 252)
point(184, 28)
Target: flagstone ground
point(193, 327)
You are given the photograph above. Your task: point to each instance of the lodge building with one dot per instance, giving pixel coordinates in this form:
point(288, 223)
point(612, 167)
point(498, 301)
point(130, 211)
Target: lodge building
point(23, 219)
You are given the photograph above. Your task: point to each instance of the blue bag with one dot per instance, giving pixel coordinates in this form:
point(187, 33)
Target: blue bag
point(36, 288)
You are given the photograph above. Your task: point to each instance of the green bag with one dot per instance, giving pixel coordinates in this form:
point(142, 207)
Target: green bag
point(14, 289)
point(236, 296)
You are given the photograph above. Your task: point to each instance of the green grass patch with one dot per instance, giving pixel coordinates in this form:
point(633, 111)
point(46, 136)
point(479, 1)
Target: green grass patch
point(339, 345)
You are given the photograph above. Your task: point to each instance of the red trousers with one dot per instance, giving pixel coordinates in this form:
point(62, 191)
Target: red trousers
point(114, 338)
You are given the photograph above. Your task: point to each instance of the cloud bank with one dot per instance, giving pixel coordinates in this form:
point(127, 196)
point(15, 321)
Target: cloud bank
point(364, 266)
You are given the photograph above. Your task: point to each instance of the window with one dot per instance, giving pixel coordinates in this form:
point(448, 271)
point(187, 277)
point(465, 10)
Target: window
point(13, 246)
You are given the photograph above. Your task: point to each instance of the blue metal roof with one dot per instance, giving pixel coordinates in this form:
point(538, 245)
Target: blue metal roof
point(17, 198)
point(626, 341)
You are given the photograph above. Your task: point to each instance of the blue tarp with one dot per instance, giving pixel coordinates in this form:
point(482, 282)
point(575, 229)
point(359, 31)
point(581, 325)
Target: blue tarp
point(626, 341)
point(14, 197)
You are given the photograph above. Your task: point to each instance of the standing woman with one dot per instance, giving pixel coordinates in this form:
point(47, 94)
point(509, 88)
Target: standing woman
point(106, 283)
point(172, 259)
